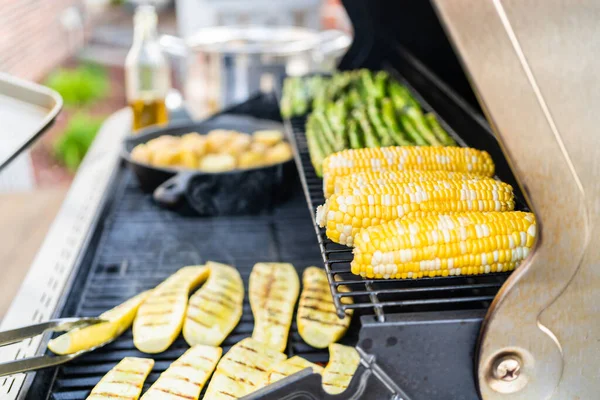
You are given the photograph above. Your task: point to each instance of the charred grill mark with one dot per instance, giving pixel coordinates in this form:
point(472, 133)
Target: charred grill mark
point(334, 385)
point(320, 321)
point(224, 296)
point(198, 321)
point(172, 393)
point(154, 313)
point(155, 323)
point(317, 299)
point(325, 292)
point(228, 305)
point(124, 383)
point(228, 394)
point(340, 373)
point(126, 371)
point(248, 365)
point(248, 348)
point(111, 395)
point(317, 308)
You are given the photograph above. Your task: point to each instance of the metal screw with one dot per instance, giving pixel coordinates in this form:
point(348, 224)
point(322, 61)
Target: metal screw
point(507, 369)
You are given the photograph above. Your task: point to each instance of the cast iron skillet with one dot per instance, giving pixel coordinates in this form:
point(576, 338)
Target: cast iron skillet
point(236, 192)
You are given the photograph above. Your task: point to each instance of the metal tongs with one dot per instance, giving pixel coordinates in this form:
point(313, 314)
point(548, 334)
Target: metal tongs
point(39, 362)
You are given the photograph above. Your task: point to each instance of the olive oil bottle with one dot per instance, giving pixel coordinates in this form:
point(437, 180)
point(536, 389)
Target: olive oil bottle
point(147, 75)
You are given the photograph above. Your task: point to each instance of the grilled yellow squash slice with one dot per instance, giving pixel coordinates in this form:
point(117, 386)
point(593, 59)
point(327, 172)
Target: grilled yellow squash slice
point(118, 319)
point(273, 294)
point(291, 366)
point(186, 376)
point(318, 323)
point(124, 381)
point(343, 362)
point(160, 317)
point(216, 308)
point(244, 369)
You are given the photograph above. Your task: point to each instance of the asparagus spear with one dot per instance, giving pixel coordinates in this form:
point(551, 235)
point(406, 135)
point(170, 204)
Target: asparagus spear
point(441, 134)
point(354, 99)
point(411, 130)
point(325, 129)
point(389, 119)
point(336, 114)
point(354, 135)
point(367, 84)
point(371, 139)
point(380, 129)
point(286, 107)
point(317, 154)
point(381, 78)
point(418, 120)
point(403, 92)
point(320, 97)
point(397, 97)
point(299, 98)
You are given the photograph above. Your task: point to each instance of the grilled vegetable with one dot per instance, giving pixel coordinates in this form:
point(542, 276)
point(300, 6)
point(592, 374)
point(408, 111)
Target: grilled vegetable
point(287, 98)
point(354, 135)
point(411, 131)
point(186, 376)
point(317, 153)
point(343, 363)
point(347, 184)
point(367, 84)
point(354, 100)
point(381, 79)
point(160, 317)
point(216, 308)
point(370, 138)
point(244, 369)
point(440, 245)
point(389, 119)
point(318, 323)
point(124, 381)
point(118, 319)
point(457, 159)
point(325, 130)
point(418, 120)
point(268, 137)
point(273, 294)
point(336, 116)
point(290, 367)
point(377, 124)
point(440, 133)
point(344, 215)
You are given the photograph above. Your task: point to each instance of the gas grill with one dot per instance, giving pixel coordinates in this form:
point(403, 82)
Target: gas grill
point(428, 339)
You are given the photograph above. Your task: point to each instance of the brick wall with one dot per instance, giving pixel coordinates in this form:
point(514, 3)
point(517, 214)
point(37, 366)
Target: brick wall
point(33, 38)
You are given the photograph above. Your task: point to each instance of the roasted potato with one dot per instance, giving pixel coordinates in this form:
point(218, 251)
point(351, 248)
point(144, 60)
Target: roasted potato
point(217, 140)
point(188, 158)
point(142, 154)
point(162, 142)
point(268, 137)
point(217, 163)
point(195, 142)
point(166, 157)
point(238, 144)
point(250, 159)
point(279, 153)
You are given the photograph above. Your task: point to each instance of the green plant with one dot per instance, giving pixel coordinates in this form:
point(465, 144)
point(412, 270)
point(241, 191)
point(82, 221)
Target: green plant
point(79, 86)
point(73, 144)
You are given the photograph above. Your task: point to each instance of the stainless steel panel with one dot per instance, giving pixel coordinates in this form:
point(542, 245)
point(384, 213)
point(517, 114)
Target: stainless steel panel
point(534, 67)
point(26, 110)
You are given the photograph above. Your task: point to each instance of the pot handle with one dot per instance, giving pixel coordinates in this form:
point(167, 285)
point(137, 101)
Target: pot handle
point(173, 45)
point(171, 191)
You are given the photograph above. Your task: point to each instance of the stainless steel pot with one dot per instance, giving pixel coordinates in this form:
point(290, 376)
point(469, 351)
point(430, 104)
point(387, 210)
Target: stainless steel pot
point(225, 65)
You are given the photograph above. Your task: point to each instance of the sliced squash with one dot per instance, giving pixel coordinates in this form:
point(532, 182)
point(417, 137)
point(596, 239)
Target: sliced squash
point(291, 366)
point(273, 294)
point(160, 317)
point(318, 322)
point(216, 308)
point(124, 381)
point(244, 369)
point(343, 362)
point(186, 376)
point(118, 319)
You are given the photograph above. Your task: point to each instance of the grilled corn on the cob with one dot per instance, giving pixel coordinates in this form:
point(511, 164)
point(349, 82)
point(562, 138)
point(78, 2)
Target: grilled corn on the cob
point(124, 381)
point(273, 291)
point(118, 320)
point(317, 320)
point(216, 308)
point(343, 362)
point(160, 317)
point(344, 215)
point(291, 366)
point(244, 369)
point(346, 184)
point(401, 158)
point(441, 245)
point(186, 376)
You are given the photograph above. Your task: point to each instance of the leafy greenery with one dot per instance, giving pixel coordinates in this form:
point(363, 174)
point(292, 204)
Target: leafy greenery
point(77, 138)
point(80, 86)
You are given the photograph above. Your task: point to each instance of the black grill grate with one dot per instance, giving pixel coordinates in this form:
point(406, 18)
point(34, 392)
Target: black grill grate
point(139, 245)
point(393, 295)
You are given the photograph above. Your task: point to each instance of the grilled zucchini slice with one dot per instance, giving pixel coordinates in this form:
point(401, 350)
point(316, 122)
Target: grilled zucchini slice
point(343, 362)
point(273, 294)
point(216, 308)
point(160, 317)
point(186, 376)
point(118, 319)
point(244, 369)
point(318, 322)
point(124, 381)
point(291, 366)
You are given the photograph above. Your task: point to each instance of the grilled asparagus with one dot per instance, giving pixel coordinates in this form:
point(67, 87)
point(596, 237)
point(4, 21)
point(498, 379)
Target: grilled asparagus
point(160, 317)
point(343, 362)
point(273, 294)
point(216, 308)
point(244, 369)
point(118, 320)
point(441, 134)
point(124, 381)
point(318, 323)
point(186, 376)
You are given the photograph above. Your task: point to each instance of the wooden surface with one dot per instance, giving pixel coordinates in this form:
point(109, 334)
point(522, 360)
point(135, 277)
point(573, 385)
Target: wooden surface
point(24, 220)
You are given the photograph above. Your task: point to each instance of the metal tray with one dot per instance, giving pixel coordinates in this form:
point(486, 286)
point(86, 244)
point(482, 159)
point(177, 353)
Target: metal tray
point(26, 111)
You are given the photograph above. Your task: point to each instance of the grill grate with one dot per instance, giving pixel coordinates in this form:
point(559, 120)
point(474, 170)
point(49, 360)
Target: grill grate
point(393, 295)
